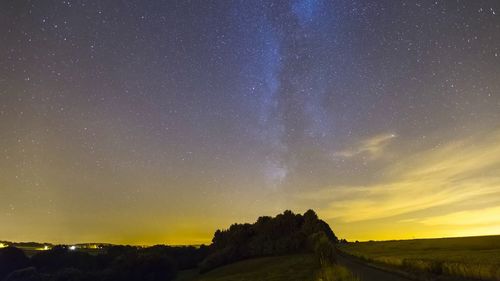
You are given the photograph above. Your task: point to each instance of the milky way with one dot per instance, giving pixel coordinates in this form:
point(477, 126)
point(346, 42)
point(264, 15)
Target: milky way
point(160, 121)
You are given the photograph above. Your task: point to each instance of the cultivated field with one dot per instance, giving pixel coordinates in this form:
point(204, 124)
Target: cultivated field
point(469, 257)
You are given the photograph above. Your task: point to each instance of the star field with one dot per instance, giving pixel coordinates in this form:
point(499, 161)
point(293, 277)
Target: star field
point(149, 122)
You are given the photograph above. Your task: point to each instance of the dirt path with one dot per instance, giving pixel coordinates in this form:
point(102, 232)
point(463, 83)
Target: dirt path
point(368, 273)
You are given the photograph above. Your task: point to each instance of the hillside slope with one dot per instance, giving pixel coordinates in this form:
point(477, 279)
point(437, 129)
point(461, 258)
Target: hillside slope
point(282, 268)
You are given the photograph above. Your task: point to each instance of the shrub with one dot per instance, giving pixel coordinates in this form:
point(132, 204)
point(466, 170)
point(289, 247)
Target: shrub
point(323, 248)
point(335, 273)
point(11, 259)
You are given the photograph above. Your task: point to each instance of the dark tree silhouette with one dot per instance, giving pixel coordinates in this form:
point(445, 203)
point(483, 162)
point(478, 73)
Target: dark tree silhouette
point(284, 234)
point(118, 263)
point(11, 259)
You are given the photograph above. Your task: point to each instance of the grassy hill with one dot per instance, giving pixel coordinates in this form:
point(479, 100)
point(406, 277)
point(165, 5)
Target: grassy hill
point(470, 257)
point(282, 268)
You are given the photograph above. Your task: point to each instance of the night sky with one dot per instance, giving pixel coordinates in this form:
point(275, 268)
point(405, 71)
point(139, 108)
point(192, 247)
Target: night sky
point(150, 122)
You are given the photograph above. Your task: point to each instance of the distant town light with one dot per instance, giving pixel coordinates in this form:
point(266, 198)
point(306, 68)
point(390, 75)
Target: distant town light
point(72, 248)
point(45, 248)
point(2, 245)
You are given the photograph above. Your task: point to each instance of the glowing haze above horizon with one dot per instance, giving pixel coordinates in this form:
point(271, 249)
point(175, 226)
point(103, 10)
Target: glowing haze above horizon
point(146, 122)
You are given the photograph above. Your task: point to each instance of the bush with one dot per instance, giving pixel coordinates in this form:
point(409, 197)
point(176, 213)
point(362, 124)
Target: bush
point(11, 259)
point(323, 248)
point(217, 259)
point(335, 273)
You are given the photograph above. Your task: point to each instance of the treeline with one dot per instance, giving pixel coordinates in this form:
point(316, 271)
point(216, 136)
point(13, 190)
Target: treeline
point(118, 263)
point(287, 233)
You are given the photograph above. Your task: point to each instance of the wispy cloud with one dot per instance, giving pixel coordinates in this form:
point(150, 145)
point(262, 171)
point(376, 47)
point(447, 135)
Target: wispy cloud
point(460, 173)
point(372, 146)
point(483, 216)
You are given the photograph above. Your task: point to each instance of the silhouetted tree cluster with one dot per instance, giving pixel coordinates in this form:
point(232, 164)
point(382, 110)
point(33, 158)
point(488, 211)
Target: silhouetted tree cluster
point(117, 263)
point(284, 234)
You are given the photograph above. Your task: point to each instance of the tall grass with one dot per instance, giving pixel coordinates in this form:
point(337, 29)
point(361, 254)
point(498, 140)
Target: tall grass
point(335, 273)
point(325, 252)
point(477, 271)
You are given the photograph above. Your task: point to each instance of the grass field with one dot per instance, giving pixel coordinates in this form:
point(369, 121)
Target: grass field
point(469, 257)
point(284, 268)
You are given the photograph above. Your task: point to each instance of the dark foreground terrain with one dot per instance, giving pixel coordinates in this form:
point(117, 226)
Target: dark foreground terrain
point(286, 234)
point(289, 268)
point(287, 247)
point(283, 268)
point(366, 272)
